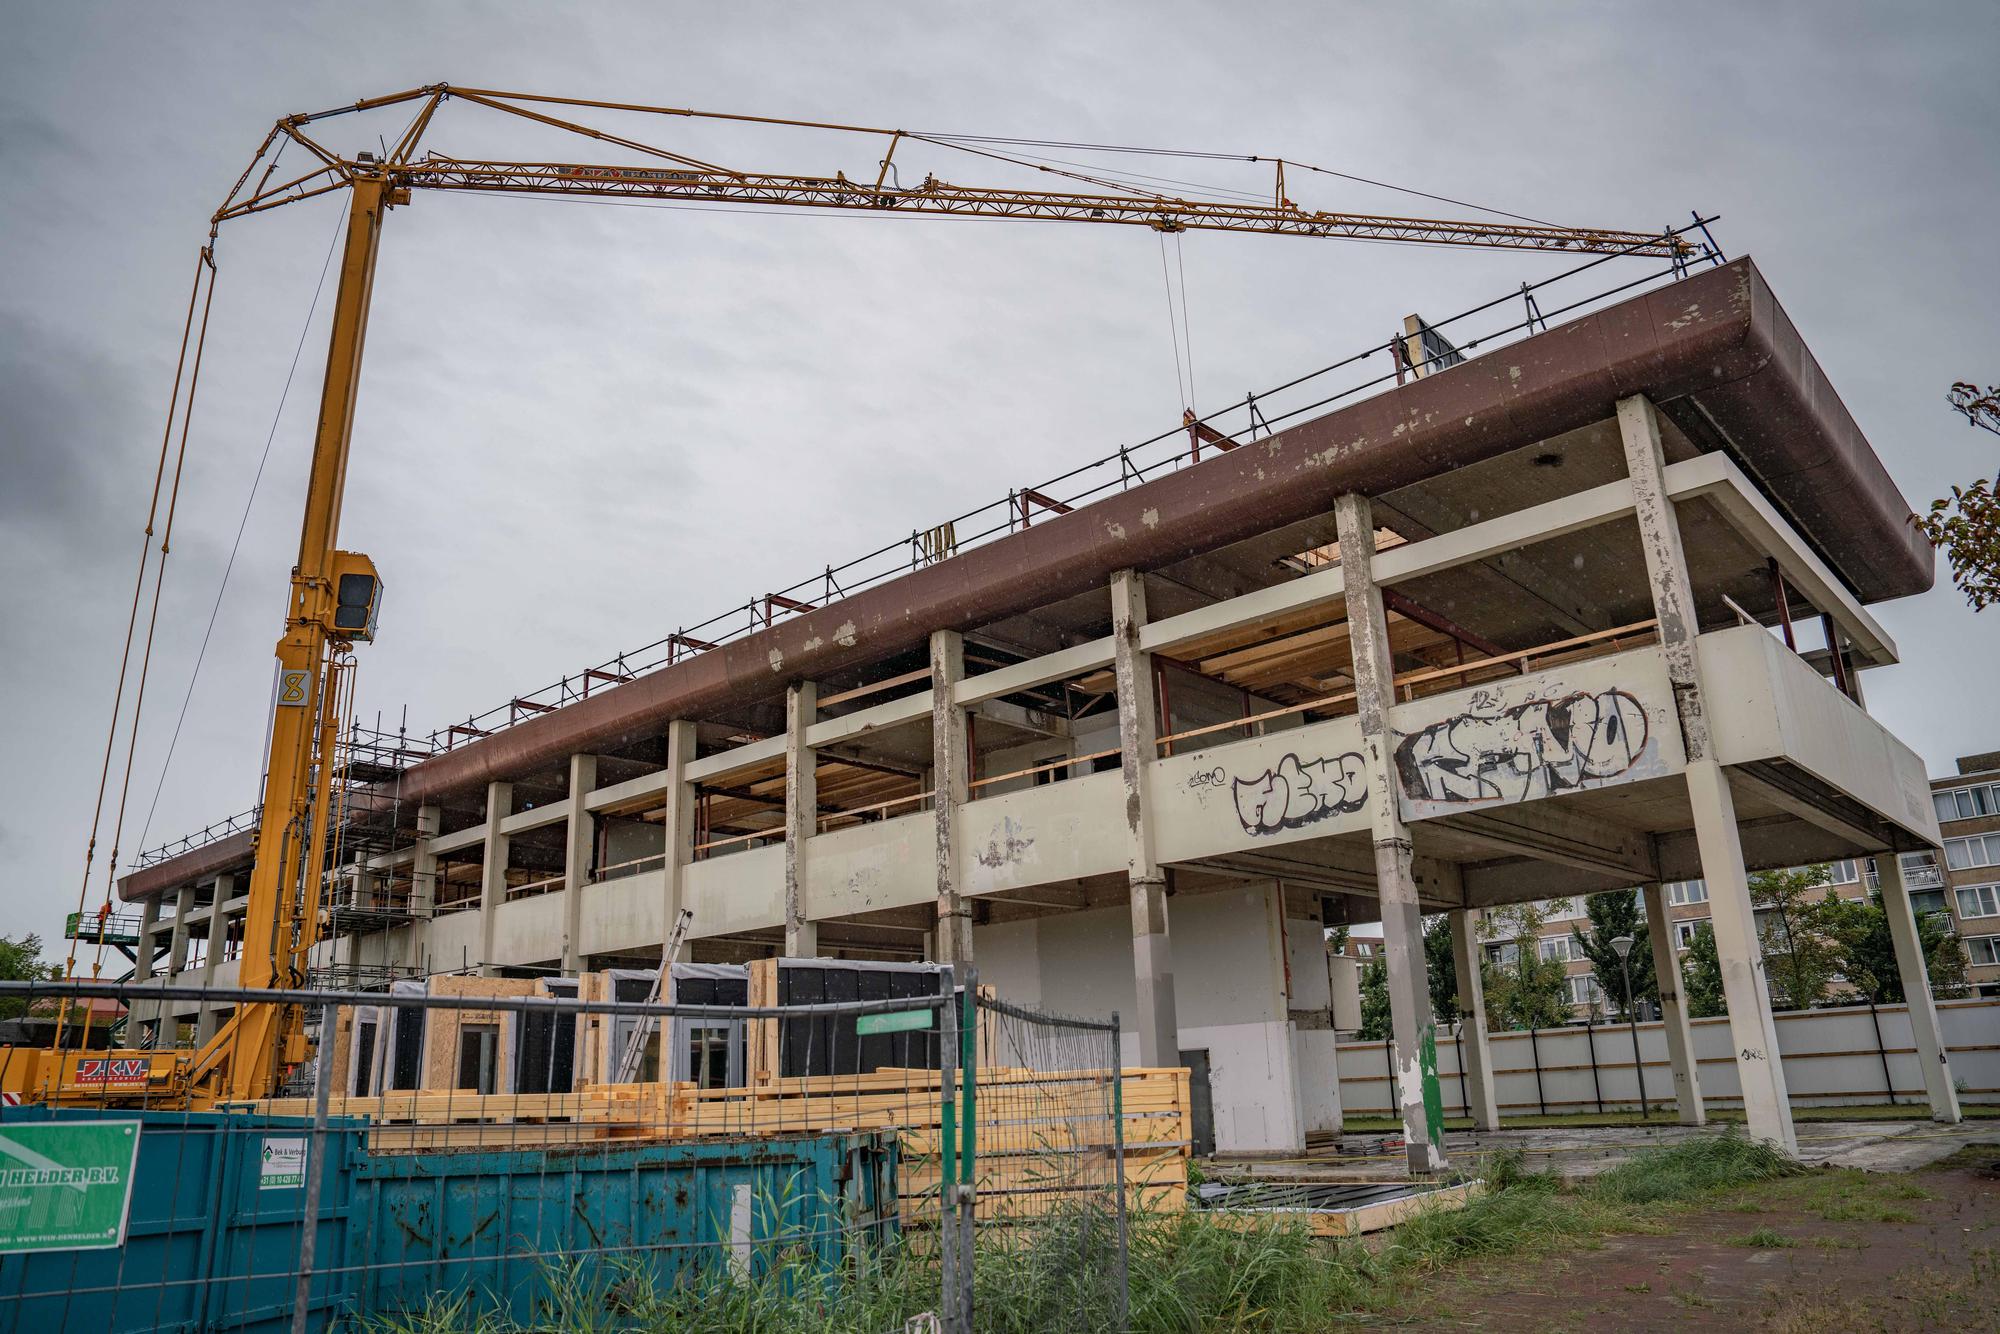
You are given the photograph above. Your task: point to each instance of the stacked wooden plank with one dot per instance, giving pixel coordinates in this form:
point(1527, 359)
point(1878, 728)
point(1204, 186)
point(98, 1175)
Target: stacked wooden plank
point(1043, 1138)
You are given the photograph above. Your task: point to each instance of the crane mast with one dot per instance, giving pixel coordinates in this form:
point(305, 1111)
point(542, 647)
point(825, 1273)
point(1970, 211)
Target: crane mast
point(328, 610)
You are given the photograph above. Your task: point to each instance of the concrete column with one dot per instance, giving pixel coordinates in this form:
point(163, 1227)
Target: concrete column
point(1473, 1049)
point(677, 840)
point(801, 816)
point(208, 1022)
point(1915, 973)
point(949, 777)
point(423, 885)
point(1754, 1033)
point(1752, 1027)
point(1666, 566)
point(1673, 1008)
point(144, 1012)
point(177, 935)
point(579, 846)
point(1395, 880)
point(1154, 1022)
point(493, 870)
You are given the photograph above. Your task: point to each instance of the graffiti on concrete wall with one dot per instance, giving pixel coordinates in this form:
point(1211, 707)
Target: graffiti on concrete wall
point(1299, 792)
point(1538, 748)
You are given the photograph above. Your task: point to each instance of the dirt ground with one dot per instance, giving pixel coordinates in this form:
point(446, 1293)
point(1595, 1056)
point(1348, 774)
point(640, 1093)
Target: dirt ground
point(1831, 1251)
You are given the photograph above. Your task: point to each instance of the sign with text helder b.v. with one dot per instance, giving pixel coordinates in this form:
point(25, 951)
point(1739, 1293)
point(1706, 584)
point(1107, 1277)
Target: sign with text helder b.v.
point(66, 1185)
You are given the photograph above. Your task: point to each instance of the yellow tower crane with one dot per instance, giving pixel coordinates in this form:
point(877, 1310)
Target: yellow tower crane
point(334, 593)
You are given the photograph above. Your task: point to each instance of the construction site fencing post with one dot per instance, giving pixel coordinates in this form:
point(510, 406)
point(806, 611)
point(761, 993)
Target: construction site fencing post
point(965, 1192)
point(953, 1287)
point(315, 1169)
point(1045, 1187)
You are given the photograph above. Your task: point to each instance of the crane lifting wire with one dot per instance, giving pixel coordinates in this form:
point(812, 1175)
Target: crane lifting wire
point(334, 593)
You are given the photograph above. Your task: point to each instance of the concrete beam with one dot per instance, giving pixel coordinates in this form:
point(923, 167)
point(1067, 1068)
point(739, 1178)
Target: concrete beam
point(1549, 832)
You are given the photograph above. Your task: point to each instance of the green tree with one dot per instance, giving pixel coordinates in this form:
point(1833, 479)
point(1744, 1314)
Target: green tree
point(1375, 1000)
point(21, 961)
point(1443, 974)
point(1800, 958)
point(1867, 952)
point(1966, 524)
point(1525, 991)
point(1612, 915)
point(1701, 975)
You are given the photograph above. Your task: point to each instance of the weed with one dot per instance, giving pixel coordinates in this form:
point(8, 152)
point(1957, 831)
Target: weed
point(1764, 1238)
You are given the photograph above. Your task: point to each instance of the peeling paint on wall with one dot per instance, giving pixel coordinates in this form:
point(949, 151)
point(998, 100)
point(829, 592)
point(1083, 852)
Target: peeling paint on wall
point(1006, 845)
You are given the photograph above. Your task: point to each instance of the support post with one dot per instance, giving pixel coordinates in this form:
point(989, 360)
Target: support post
point(207, 1023)
point(949, 777)
point(1475, 1055)
point(579, 844)
point(801, 816)
point(1673, 1008)
point(1753, 1030)
point(1155, 1024)
point(423, 883)
point(142, 965)
point(677, 837)
point(493, 870)
point(1914, 971)
point(1395, 879)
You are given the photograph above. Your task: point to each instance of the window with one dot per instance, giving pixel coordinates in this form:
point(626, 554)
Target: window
point(1680, 893)
point(1843, 872)
point(1502, 954)
point(478, 1057)
point(1983, 950)
point(1979, 901)
point(1684, 932)
point(1930, 901)
point(1961, 853)
point(1966, 803)
point(1560, 947)
point(1582, 989)
point(364, 1058)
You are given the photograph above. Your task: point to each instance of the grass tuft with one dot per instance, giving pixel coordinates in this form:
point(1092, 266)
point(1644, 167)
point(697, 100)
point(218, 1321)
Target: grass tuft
point(1765, 1238)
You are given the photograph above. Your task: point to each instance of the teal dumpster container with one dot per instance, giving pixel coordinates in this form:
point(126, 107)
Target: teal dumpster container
point(212, 1237)
point(498, 1226)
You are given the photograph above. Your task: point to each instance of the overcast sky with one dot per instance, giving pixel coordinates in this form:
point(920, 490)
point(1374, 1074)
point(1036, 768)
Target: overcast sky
point(580, 426)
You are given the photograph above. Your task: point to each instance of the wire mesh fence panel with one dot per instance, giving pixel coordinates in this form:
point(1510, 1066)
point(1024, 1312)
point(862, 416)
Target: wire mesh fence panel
point(837, 1145)
point(1049, 1191)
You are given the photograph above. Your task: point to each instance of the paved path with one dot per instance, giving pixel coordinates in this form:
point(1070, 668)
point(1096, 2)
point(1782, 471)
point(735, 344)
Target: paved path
point(1876, 1146)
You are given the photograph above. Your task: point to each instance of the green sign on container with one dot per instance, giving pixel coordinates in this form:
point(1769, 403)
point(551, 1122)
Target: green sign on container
point(897, 1021)
point(66, 1185)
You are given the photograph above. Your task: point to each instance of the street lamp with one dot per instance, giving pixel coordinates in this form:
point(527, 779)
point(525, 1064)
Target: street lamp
point(1622, 947)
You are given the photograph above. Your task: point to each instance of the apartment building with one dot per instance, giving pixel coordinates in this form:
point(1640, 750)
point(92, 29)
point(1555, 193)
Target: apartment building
point(1968, 811)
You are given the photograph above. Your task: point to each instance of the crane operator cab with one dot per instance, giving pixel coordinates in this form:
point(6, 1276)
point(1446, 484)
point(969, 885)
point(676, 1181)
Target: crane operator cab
point(357, 595)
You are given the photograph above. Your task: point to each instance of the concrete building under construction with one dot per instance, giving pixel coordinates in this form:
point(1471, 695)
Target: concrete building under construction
point(1585, 611)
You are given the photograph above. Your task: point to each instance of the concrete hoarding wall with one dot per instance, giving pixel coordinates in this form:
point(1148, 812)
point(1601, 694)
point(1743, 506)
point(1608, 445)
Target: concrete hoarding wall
point(1831, 1058)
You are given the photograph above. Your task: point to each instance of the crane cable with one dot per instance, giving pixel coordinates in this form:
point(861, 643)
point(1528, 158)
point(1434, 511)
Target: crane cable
point(204, 261)
point(243, 523)
point(1177, 324)
point(153, 614)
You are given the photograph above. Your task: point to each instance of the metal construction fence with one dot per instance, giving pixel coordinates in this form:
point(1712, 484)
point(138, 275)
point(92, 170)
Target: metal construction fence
point(905, 1156)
